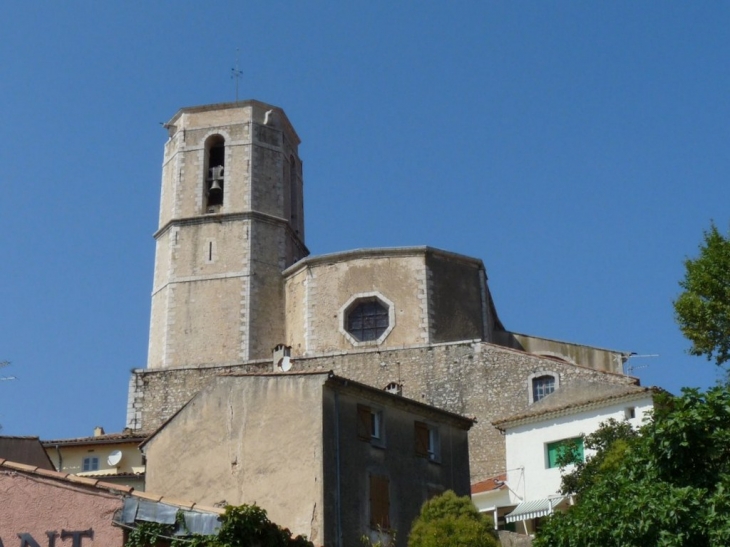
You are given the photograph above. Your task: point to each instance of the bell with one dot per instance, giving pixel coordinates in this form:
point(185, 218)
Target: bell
point(216, 186)
point(215, 172)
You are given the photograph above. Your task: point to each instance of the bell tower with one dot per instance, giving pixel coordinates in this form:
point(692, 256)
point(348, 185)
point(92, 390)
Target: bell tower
point(231, 220)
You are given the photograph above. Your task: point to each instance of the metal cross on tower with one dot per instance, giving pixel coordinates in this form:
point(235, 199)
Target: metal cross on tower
point(236, 74)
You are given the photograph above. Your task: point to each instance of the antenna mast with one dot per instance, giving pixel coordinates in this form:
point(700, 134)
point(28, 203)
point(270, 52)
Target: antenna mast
point(236, 74)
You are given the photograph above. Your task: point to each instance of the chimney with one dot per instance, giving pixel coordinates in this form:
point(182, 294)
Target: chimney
point(98, 431)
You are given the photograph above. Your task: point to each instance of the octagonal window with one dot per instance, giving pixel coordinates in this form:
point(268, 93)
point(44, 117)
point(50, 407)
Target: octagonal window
point(367, 320)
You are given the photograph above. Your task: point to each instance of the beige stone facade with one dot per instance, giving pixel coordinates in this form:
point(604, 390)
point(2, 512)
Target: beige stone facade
point(233, 279)
point(218, 262)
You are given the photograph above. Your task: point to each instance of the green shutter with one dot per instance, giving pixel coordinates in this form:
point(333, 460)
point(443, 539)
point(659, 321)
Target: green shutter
point(554, 450)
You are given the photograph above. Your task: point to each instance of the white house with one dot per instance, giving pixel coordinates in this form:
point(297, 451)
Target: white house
point(529, 488)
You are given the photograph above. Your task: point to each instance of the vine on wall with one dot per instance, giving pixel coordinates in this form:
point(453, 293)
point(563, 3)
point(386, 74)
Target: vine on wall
point(242, 526)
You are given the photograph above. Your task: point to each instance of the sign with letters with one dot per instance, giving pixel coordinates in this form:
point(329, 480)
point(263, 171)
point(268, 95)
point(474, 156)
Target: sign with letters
point(76, 536)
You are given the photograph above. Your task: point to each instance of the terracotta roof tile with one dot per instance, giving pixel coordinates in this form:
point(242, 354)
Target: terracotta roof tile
point(183, 504)
point(147, 496)
point(51, 474)
point(107, 438)
point(209, 509)
point(20, 466)
point(82, 480)
point(118, 487)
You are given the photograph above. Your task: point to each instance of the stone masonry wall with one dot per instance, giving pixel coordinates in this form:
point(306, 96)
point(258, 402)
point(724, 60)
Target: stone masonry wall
point(474, 379)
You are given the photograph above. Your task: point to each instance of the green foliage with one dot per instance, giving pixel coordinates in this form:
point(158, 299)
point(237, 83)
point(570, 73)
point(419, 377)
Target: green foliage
point(148, 534)
point(610, 442)
point(386, 538)
point(668, 485)
point(703, 309)
point(242, 526)
point(450, 521)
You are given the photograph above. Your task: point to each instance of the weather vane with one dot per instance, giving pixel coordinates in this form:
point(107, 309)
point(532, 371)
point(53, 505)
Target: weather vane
point(236, 74)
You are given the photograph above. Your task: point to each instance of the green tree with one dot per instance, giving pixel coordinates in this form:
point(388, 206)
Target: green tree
point(703, 309)
point(609, 443)
point(667, 486)
point(450, 521)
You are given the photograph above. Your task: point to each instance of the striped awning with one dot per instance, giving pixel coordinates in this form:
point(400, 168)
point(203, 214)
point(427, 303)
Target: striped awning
point(533, 509)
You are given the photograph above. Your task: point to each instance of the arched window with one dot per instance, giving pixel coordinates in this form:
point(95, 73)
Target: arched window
point(215, 160)
point(541, 384)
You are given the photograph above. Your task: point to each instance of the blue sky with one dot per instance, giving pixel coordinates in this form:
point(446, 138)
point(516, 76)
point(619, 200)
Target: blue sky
point(578, 148)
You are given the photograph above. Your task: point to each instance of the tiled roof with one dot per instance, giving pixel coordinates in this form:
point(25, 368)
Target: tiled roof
point(575, 397)
point(97, 484)
point(109, 438)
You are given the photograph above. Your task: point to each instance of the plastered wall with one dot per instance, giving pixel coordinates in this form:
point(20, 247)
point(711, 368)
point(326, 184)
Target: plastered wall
point(254, 441)
point(35, 506)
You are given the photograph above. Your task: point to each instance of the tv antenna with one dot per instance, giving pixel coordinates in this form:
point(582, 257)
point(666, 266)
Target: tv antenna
point(5, 378)
point(631, 368)
point(236, 74)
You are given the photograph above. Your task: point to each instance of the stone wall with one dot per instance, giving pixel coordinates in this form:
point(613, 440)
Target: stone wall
point(472, 378)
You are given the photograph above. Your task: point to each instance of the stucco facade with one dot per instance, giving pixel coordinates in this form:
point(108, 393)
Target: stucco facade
point(293, 444)
point(38, 509)
point(116, 457)
point(530, 476)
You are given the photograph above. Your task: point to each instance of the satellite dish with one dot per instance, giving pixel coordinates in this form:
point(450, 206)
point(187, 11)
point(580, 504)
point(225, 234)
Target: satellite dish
point(285, 363)
point(114, 458)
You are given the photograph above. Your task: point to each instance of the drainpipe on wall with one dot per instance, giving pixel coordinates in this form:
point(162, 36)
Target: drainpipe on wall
point(338, 501)
point(60, 459)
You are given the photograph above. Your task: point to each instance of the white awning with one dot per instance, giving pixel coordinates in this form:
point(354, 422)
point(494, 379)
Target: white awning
point(533, 509)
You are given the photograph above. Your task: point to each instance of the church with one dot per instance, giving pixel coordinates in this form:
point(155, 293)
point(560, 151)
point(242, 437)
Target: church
point(236, 291)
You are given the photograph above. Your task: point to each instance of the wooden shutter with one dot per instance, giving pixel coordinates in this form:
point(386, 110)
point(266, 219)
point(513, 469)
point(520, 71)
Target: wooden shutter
point(420, 431)
point(364, 422)
point(379, 502)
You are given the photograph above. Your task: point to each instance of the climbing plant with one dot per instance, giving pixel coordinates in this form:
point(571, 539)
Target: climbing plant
point(241, 526)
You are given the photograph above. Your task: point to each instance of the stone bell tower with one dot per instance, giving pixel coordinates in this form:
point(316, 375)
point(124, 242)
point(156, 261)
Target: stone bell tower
point(231, 220)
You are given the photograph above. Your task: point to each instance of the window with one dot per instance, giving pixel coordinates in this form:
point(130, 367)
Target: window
point(367, 320)
point(630, 412)
point(558, 449)
point(427, 442)
point(214, 173)
point(369, 424)
point(379, 502)
point(542, 386)
point(91, 463)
